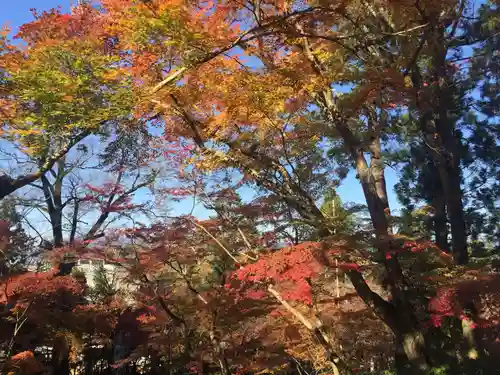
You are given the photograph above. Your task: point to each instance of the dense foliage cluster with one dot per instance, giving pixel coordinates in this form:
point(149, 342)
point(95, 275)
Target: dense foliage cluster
point(170, 188)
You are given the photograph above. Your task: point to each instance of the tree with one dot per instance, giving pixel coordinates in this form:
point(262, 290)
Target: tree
point(91, 190)
point(16, 252)
point(470, 137)
point(39, 302)
point(418, 186)
point(105, 284)
point(358, 120)
point(263, 166)
point(266, 108)
point(65, 85)
point(342, 215)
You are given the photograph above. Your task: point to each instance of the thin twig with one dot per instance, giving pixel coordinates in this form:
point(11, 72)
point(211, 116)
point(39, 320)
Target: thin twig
point(215, 239)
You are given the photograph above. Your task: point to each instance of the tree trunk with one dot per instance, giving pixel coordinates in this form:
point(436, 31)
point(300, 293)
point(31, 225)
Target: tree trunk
point(219, 352)
point(410, 357)
point(457, 220)
point(400, 314)
point(53, 198)
point(452, 185)
point(74, 222)
point(60, 356)
point(440, 225)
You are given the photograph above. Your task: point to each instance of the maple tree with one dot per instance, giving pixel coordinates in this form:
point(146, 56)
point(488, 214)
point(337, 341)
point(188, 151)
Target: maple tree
point(59, 85)
point(90, 192)
point(286, 100)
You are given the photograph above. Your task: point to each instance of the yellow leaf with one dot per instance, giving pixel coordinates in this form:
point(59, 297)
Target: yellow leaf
point(408, 82)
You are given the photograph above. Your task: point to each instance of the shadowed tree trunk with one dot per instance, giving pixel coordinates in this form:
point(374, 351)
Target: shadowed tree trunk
point(53, 199)
point(440, 225)
point(60, 356)
point(435, 197)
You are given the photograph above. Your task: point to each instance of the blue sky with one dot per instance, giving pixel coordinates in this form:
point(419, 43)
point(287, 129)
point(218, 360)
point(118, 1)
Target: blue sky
point(18, 12)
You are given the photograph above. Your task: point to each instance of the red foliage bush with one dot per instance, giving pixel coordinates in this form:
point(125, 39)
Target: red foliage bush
point(292, 268)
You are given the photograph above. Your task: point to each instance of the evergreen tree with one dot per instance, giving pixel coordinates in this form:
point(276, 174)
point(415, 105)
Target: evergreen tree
point(341, 216)
point(16, 254)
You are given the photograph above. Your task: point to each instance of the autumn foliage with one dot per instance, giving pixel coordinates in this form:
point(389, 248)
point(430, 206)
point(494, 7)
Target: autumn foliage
point(187, 158)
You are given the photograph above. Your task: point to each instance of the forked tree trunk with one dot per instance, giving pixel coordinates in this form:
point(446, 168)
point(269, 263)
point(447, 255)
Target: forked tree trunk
point(53, 199)
point(399, 315)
